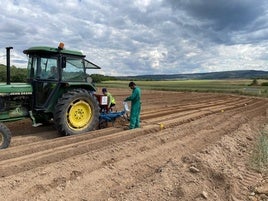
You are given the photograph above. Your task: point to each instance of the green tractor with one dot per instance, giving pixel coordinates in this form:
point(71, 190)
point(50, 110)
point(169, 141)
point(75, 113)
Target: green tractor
point(58, 88)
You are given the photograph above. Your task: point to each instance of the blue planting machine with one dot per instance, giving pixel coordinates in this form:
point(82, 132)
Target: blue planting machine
point(111, 116)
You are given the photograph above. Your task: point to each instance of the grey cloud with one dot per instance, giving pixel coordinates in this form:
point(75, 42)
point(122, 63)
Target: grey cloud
point(142, 37)
point(220, 20)
point(221, 13)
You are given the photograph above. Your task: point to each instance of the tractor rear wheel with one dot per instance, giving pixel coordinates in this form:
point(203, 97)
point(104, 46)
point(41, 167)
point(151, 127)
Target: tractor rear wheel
point(77, 111)
point(5, 136)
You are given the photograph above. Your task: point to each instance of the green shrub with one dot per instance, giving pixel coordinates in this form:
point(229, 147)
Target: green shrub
point(264, 84)
point(254, 83)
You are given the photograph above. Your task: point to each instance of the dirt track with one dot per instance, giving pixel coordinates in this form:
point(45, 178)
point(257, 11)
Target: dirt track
point(201, 154)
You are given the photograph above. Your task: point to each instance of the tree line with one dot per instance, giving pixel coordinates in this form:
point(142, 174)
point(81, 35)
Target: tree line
point(16, 74)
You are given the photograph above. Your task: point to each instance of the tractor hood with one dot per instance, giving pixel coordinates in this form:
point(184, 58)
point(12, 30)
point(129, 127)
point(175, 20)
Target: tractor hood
point(15, 89)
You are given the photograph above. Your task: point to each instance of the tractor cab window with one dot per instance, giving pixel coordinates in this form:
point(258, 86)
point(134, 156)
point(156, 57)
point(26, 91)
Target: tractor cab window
point(74, 70)
point(43, 68)
point(31, 70)
point(48, 68)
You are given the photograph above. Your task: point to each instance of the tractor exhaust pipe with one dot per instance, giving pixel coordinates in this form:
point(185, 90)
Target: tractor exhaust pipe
point(8, 64)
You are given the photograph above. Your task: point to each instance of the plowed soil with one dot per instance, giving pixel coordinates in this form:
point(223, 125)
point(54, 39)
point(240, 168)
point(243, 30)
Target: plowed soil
point(191, 146)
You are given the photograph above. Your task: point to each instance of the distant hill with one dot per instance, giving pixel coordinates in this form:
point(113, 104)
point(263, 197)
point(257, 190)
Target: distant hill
point(239, 74)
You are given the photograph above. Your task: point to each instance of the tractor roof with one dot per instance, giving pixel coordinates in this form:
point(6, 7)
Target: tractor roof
point(51, 50)
point(61, 50)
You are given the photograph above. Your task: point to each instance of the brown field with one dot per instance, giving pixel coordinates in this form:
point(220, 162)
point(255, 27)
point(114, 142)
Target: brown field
point(202, 153)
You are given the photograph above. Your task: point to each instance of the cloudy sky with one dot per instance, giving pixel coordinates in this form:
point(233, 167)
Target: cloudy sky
point(139, 37)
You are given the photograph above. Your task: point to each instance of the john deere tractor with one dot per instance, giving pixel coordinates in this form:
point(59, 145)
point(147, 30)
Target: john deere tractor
point(58, 89)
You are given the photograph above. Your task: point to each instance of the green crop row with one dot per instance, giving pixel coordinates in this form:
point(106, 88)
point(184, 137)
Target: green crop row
point(242, 87)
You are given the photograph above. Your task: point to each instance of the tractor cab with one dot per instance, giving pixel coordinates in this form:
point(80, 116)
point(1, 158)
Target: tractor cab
point(53, 71)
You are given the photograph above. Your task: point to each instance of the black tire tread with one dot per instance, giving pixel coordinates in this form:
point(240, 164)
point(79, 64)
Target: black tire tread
point(6, 136)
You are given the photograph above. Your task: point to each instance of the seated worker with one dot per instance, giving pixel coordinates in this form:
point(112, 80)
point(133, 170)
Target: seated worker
point(53, 74)
point(111, 100)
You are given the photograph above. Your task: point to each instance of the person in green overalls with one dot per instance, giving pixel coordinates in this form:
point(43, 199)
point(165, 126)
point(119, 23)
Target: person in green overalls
point(135, 110)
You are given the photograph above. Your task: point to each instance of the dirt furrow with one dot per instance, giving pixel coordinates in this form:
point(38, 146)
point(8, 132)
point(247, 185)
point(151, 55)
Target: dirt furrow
point(203, 112)
point(185, 145)
point(63, 148)
point(177, 108)
point(29, 139)
point(210, 132)
point(18, 151)
point(149, 160)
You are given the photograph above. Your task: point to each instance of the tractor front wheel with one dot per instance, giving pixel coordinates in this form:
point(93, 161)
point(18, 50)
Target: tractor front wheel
point(77, 111)
point(5, 136)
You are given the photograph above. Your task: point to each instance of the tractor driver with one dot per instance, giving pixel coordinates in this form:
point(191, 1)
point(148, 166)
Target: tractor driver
point(53, 73)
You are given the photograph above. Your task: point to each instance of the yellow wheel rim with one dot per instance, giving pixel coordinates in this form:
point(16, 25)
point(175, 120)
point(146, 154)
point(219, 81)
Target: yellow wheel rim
point(79, 114)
